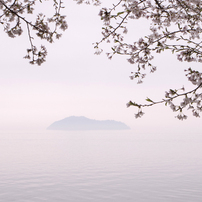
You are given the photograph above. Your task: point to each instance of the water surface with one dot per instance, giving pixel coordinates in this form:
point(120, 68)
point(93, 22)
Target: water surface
point(102, 166)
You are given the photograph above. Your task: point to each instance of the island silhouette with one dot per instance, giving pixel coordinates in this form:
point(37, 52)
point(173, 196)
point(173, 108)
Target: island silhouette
point(83, 123)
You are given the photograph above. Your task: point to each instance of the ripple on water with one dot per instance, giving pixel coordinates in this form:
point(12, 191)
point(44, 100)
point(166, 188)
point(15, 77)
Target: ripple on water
point(91, 168)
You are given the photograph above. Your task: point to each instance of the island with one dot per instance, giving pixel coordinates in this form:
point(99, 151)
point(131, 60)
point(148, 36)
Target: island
point(83, 123)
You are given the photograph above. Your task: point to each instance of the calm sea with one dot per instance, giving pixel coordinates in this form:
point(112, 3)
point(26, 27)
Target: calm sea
point(102, 166)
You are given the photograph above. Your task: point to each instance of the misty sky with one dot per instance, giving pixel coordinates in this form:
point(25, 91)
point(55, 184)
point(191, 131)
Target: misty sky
point(74, 81)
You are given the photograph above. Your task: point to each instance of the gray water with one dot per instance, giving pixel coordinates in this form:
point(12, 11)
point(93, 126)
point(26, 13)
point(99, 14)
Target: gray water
point(100, 167)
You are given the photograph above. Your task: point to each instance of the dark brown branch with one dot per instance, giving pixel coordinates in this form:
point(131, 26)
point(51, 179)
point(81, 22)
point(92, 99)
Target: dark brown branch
point(119, 25)
point(22, 18)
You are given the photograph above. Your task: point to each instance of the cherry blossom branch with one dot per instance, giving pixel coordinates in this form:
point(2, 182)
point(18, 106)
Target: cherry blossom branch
point(22, 18)
point(193, 102)
point(41, 26)
point(114, 30)
point(130, 103)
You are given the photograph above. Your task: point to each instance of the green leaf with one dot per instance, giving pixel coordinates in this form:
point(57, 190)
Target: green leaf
point(149, 100)
point(119, 13)
point(172, 91)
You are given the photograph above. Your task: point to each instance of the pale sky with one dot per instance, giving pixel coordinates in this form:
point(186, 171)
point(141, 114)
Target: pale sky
point(76, 82)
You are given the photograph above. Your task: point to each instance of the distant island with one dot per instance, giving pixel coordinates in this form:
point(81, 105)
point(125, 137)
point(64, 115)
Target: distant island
point(83, 123)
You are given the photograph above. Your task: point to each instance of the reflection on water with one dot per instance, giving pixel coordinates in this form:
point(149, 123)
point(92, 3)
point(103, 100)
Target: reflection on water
point(100, 167)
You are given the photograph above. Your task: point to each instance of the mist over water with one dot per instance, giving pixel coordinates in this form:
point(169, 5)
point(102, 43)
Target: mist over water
point(100, 166)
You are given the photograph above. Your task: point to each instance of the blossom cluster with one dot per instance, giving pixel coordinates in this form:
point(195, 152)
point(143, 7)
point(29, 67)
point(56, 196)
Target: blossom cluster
point(175, 25)
point(179, 99)
point(13, 13)
point(94, 2)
